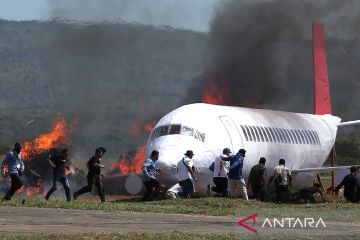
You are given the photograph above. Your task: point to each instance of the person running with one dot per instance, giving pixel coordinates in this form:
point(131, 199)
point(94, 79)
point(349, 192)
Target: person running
point(15, 167)
point(60, 164)
point(185, 174)
point(257, 180)
point(94, 176)
point(351, 186)
point(151, 182)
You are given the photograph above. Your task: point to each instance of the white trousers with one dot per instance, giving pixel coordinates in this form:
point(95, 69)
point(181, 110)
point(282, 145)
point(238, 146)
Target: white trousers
point(237, 188)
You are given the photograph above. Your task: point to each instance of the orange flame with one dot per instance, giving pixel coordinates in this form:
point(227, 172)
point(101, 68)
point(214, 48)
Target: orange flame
point(216, 94)
point(149, 127)
point(59, 136)
point(125, 166)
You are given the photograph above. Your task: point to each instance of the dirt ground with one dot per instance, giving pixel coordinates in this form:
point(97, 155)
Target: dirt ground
point(24, 220)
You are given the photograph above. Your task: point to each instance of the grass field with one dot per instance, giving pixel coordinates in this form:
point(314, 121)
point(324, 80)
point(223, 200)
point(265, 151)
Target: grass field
point(333, 209)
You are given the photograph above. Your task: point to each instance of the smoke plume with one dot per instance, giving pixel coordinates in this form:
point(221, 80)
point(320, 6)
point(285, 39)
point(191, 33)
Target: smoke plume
point(261, 51)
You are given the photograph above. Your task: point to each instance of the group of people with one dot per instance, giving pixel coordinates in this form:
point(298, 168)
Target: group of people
point(13, 166)
point(185, 174)
point(227, 177)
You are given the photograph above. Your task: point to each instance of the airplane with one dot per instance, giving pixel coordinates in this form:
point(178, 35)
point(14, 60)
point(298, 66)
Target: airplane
point(303, 140)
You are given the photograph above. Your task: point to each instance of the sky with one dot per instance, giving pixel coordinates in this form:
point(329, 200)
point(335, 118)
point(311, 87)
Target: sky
point(186, 14)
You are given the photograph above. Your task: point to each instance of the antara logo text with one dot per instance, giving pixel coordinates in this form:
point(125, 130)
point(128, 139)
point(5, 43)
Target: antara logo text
point(287, 222)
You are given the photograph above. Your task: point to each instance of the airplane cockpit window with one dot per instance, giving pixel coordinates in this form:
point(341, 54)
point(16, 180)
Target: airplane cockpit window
point(280, 135)
point(177, 129)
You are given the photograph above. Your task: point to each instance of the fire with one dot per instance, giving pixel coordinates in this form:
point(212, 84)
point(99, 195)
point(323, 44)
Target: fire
point(216, 94)
point(149, 127)
point(32, 190)
point(125, 165)
point(59, 136)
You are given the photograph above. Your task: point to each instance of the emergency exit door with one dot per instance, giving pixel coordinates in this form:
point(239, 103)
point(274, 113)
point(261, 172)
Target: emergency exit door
point(233, 133)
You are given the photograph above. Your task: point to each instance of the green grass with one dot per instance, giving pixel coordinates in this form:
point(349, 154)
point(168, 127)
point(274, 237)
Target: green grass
point(338, 210)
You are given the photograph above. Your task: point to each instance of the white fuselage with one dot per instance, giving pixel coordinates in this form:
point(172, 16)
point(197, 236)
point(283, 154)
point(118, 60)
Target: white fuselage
point(303, 140)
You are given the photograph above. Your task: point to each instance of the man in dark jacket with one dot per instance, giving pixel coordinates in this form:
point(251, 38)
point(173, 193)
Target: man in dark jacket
point(60, 164)
point(351, 186)
point(94, 176)
point(237, 185)
point(257, 179)
point(15, 167)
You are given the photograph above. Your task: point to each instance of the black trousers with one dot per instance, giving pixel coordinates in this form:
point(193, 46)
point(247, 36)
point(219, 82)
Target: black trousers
point(354, 198)
point(60, 177)
point(221, 185)
point(16, 184)
point(152, 190)
point(258, 191)
point(188, 188)
point(93, 180)
point(282, 193)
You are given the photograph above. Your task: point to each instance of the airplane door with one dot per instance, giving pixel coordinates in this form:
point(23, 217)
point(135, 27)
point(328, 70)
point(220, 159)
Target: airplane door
point(233, 133)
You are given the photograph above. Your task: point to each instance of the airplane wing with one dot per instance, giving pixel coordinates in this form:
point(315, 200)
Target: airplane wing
point(350, 123)
point(322, 169)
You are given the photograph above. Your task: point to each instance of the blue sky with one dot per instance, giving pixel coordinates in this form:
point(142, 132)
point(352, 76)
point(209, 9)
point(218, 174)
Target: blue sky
point(187, 14)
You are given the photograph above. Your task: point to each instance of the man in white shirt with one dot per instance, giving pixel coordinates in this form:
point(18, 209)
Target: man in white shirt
point(282, 178)
point(220, 174)
point(185, 174)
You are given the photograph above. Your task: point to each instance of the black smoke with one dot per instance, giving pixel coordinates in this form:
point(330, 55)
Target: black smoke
point(262, 51)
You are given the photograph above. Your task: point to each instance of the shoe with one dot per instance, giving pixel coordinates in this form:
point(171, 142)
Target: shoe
point(75, 195)
point(47, 198)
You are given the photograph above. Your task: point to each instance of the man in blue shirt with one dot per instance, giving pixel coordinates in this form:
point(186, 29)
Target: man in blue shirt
point(15, 165)
point(151, 183)
point(237, 185)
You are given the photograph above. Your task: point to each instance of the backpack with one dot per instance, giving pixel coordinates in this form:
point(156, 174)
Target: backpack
point(212, 167)
point(280, 177)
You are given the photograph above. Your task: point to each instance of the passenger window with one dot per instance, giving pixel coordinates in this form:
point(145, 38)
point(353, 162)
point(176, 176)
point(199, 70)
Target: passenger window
point(271, 138)
point(288, 133)
point(285, 136)
point(294, 136)
point(301, 138)
point(175, 129)
point(254, 133)
point(264, 134)
point(281, 140)
point(259, 133)
point(274, 135)
point(316, 137)
point(311, 137)
point(244, 132)
point(251, 138)
point(304, 137)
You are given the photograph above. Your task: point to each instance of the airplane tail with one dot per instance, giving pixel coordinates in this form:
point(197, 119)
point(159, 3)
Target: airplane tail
point(321, 76)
